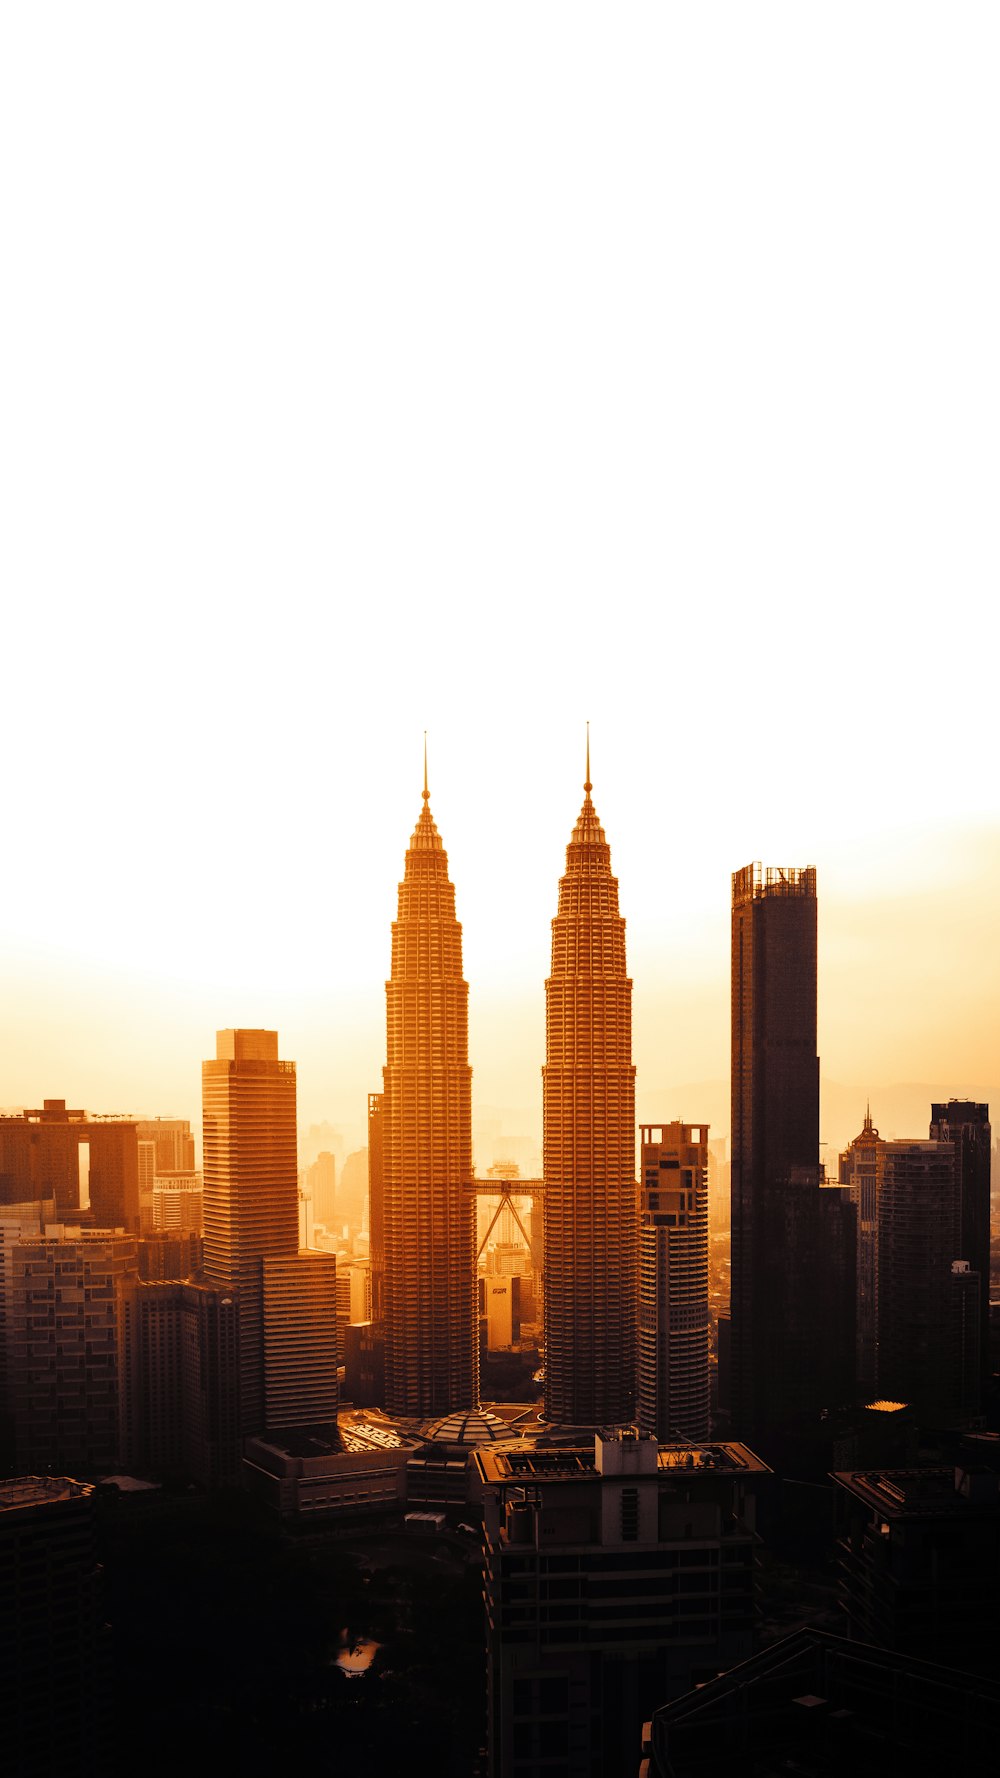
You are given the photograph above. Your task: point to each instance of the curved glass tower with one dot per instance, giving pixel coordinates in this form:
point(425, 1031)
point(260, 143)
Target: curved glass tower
point(431, 1345)
point(588, 1087)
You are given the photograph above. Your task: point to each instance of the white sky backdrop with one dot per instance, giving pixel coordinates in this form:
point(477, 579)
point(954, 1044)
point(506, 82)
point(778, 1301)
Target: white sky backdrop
point(371, 368)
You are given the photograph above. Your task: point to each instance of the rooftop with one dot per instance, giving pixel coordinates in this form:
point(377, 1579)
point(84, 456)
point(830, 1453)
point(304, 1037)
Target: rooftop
point(39, 1490)
point(568, 1463)
point(919, 1493)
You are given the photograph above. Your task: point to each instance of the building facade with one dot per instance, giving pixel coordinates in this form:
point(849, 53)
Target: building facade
point(64, 1348)
point(300, 1341)
point(673, 1396)
point(376, 1206)
point(588, 1110)
point(619, 1574)
point(431, 1350)
point(251, 1200)
point(180, 1382)
point(89, 1165)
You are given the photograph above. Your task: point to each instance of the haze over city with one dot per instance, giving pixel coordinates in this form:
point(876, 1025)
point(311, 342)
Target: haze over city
point(494, 1280)
point(366, 387)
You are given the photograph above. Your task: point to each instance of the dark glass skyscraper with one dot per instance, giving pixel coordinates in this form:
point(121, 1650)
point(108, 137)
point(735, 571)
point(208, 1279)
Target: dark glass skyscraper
point(775, 1126)
point(588, 1094)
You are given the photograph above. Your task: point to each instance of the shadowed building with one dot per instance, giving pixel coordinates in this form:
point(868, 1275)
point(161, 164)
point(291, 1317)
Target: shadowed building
point(860, 1171)
point(928, 1296)
point(588, 1097)
point(55, 1675)
point(250, 1186)
point(180, 1381)
point(821, 1707)
point(919, 1556)
point(793, 1258)
point(431, 1353)
point(673, 1334)
point(619, 1573)
point(967, 1125)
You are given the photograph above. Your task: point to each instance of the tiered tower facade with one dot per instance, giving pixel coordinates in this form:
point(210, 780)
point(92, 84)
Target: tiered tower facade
point(588, 1095)
point(431, 1347)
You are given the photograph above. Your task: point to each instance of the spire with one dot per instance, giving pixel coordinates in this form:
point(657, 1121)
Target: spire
point(588, 829)
point(425, 835)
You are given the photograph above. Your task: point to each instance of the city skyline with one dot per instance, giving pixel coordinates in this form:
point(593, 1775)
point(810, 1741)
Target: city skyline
point(865, 969)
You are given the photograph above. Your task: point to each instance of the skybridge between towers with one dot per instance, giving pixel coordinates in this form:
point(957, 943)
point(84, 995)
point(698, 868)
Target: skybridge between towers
point(506, 1190)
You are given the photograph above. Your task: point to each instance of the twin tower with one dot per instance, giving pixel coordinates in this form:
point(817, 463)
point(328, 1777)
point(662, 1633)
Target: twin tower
point(590, 1215)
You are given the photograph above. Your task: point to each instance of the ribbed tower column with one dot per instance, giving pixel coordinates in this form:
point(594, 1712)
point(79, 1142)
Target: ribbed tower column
point(431, 1345)
point(589, 1145)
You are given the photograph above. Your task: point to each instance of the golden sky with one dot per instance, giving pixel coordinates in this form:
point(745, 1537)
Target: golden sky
point(374, 370)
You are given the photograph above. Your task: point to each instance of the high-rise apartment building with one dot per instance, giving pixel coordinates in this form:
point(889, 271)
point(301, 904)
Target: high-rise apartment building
point(180, 1381)
point(250, 1186)
point(431, 1352)
point(967, 1125)
point(64, 1349)
point(588, 1099)
point(673, 1333)
point(775, 1117)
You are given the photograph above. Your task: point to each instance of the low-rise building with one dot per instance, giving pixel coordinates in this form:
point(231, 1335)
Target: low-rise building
point(306, 1477)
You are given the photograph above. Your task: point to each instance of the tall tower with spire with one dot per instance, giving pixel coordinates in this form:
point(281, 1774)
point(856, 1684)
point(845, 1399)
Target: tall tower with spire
point(431, 1344)
point(588, 1088)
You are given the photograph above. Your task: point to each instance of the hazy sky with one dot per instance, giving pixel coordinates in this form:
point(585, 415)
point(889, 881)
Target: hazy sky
point(376, 368)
